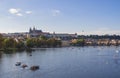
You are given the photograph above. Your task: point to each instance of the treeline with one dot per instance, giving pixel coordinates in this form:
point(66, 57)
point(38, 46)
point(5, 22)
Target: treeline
point(20, 44)
point(100, 36)
point(42, 42)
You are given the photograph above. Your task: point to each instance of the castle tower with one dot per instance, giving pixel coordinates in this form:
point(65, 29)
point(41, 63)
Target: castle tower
point(30, 30)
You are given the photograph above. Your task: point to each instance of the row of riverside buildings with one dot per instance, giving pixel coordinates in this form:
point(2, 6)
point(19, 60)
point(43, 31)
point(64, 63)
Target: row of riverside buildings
point(63, 36)
point(34, 32)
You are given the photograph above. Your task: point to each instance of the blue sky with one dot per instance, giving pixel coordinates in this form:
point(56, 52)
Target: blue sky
point(62, 16)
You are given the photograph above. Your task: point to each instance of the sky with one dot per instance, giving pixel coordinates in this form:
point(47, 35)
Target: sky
point(85, 17)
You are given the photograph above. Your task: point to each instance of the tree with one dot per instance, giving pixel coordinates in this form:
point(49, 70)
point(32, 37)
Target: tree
point(43, 38)
point(20, 45)
point(9, 43)
point(78, 42)
point(52, 42)
point(1, 41)
point(30, 43)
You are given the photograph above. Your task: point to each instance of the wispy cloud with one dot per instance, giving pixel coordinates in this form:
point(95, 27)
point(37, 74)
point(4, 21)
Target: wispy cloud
point(28, 12)
point(56, 12)
point(14, 11)
point(18, 12)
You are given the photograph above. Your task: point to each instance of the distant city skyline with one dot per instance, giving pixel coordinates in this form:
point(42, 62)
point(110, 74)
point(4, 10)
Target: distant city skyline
point(61, 16)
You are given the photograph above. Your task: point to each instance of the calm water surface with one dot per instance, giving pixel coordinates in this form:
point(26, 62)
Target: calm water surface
point(72, 62)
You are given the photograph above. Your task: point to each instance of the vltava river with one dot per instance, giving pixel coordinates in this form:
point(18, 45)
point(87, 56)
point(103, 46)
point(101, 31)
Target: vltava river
point(70, 62)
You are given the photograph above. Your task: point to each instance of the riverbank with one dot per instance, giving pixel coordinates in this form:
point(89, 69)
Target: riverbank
point(12, 50)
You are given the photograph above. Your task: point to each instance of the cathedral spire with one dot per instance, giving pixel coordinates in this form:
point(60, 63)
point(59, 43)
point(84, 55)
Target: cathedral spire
point(30, 30)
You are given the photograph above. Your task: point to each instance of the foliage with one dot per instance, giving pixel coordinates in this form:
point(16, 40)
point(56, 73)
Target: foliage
point(78, 42)
point(43, 38)
point(9, 43)
point(42, 42)
point(14, 44)
point(1, 41)
point(52, 42)
point(30, 43)
point(20, 45)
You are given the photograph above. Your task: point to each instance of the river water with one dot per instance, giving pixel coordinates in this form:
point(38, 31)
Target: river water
point(68, 62)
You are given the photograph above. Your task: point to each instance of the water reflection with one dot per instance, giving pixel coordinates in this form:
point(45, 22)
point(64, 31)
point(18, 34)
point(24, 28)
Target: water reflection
point(0, 54)
point(116, 57)
point(117, 60)
point(29, 53)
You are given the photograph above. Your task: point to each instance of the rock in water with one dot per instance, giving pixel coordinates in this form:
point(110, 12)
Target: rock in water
point(24, 66)
point(33, 68)
point(18, 63)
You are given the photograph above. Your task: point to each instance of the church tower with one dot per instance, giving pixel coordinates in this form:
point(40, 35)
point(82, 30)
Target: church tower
point(30, 30)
